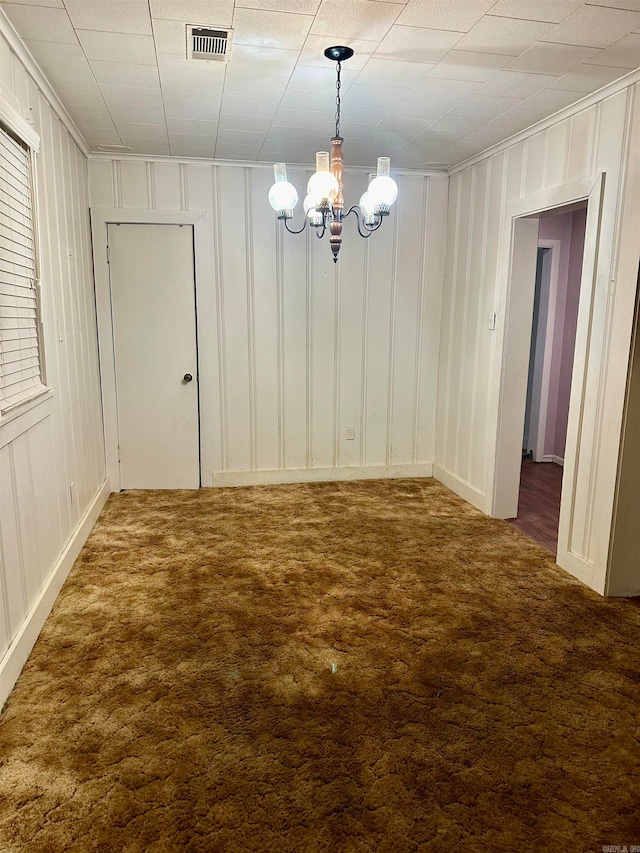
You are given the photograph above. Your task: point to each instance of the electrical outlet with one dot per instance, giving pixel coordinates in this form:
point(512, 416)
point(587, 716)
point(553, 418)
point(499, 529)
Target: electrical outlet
point(350, 433)
point(72, 493)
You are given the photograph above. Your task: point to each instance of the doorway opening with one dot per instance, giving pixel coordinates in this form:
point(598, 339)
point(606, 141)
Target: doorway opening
point(561, 236)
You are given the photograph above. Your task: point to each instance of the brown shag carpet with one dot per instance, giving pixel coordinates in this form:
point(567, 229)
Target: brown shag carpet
point(367, 666)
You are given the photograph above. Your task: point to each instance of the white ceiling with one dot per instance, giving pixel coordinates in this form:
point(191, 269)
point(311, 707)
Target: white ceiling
point(431, 81)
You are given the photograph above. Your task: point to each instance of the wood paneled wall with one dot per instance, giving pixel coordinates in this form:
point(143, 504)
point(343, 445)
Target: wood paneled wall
point(58, 441)
point(297, 348)
point(592, 141)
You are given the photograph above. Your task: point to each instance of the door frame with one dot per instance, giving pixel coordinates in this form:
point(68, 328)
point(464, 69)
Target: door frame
point(100, 219)
point(547, 347)
point(516, 288)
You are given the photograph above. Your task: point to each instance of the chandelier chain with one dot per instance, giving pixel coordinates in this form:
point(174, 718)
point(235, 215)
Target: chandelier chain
point(338, 84)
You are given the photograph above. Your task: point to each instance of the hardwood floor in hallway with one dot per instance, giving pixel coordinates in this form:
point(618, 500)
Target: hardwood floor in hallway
point(539, 502)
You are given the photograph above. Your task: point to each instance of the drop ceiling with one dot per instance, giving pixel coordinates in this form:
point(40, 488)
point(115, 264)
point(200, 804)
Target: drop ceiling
point(431, 82)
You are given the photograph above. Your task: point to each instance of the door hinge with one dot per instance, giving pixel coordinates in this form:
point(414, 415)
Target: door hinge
point(108, 255)
point(118, 454)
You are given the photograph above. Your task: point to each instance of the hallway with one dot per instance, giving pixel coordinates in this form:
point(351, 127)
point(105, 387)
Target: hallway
point(539, 502)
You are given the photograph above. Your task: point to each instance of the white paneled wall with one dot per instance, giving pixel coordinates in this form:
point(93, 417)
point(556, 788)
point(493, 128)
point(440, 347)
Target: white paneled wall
point(592, 141)
point(295, 349)
point(59, 440)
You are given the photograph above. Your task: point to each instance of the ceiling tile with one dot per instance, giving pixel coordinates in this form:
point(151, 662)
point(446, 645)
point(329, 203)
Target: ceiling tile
point(623, 54)
point(594, 26)
point(503, 35)
point(453, 123)
point(468, 65)
point(154, 147)
point(137, 113)
point(202, 140)
point(125, 74)
point(485, 105)
point(192, 127)
point(299, 118)
point(516, 84)
point(237, 152)
point(118, 47)
point(58, 4)
point(170, 37)
point(545, 103)
point(323, 102)
point(553, 11)
point(270, 29)
point(417, 44)
point(249, 105)
point(386, 72)
point(146, 131)
point(203, 12)
point(315, 45)
point(240, 137)
point(458, 15)
point(588, 78)
point(549, 58)
point(185, 149)
point(262, 60)
point(255, 87)
point(189, 73)
point(434, 98)
point(238, 122)
point(106, 136)
point(41, 23)
point(409, 127)
point(73, 75)
point(116, 16)
point(308, 78)
point(380, 96)
point(193, 109)
point(634, 5)
point(301, 7)
point(361, 19)
point(128, 96)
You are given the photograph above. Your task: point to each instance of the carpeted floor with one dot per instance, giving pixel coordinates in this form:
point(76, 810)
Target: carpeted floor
point(368, 666)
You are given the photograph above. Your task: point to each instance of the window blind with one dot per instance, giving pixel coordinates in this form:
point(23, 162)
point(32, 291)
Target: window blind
point(20, 373)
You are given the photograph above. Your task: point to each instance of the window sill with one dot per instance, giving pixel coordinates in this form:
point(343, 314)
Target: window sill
point(23, 416)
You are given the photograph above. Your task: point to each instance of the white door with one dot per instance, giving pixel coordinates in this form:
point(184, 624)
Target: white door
point(156, 364)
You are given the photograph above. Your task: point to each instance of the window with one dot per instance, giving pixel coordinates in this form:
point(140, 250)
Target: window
point(20, 361)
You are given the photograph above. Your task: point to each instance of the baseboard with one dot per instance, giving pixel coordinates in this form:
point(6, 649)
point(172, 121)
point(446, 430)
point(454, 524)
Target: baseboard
point(16, 656)
point(460, 487)
point(558, 460)
point(319, 475)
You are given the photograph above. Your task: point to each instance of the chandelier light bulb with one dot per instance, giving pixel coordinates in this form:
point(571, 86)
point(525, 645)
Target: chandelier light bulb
point(322, 183)
point(283, 196)
point(367, 205)
point(310, 203)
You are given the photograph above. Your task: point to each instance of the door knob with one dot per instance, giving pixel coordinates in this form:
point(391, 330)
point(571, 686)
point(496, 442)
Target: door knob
point(187, 377)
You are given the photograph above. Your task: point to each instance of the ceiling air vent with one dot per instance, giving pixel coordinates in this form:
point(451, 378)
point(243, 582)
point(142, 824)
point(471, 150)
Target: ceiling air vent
point(207, 43)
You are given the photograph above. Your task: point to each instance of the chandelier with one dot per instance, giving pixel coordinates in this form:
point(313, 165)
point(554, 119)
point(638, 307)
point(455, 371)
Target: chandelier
point(324, 203)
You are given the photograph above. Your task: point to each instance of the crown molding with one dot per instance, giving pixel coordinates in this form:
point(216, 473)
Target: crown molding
point(577, 107)
point(35, 72)
point(255, 164)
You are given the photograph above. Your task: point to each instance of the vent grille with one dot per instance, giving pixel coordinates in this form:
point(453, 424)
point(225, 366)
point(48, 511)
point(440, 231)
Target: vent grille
point(206, 43)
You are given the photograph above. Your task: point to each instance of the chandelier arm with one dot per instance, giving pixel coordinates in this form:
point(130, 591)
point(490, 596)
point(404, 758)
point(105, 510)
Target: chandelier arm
point(368, 229)
point(291, 231)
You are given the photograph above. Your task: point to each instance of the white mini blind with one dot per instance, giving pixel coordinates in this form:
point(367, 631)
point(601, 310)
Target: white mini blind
point(20, 370)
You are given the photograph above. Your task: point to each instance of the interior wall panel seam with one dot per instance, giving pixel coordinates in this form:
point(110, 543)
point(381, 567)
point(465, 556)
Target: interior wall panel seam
point(220, 325)
point(251, 330)
point(417, 368)
point(392, 339)
point(336, 363)
point(466, 288)
point(364, 368)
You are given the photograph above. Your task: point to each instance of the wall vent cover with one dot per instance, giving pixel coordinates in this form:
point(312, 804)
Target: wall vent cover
point(207, 43)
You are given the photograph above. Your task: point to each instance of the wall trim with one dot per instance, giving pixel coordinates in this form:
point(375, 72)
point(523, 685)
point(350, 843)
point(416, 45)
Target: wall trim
point(33, 69)
point(319, 475)
point(254, 164)
point(18, 652)
point(470, 494)
point(566, 112)
point(551, 457)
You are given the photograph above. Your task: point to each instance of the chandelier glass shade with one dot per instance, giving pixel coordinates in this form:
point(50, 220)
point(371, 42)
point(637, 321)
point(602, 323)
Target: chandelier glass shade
point(323, 205)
